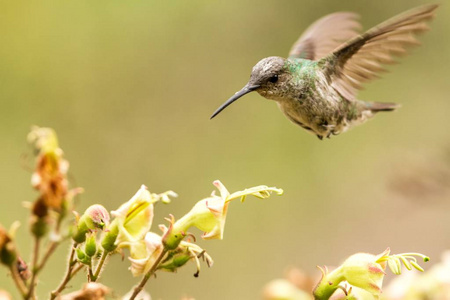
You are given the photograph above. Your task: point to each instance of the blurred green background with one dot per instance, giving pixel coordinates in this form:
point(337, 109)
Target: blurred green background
point(129, 87)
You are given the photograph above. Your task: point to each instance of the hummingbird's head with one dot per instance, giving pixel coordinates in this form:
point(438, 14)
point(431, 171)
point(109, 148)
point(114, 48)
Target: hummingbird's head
point(267, 79)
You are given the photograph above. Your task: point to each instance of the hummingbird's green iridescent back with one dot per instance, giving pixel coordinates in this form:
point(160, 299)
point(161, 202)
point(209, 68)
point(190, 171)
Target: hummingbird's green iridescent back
point(316, 87)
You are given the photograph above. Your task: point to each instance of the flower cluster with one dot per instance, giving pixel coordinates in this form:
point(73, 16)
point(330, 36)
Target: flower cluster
point(97, 234)
point(149, 251)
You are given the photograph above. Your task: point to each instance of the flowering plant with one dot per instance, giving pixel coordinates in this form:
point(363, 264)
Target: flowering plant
point(98, 234)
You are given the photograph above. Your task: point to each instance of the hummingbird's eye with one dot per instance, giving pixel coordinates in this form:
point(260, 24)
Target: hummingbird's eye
point(273, 79)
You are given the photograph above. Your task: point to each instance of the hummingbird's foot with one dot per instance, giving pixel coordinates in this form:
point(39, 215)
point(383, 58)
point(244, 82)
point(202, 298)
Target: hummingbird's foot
point(320, 137)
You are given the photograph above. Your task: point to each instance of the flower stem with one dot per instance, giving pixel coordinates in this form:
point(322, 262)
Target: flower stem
point(69, 273)
point(328, 284)
point(147, 276)
point(51, 248)
point(100, 265)
point(18, 281)
point(90, 273)
point(34, 267)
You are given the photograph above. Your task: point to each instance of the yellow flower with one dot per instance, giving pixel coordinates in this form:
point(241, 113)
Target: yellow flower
point(209, 215)
point(143, 254)
point(135, 216)
point(365, 271)
point(133, 219)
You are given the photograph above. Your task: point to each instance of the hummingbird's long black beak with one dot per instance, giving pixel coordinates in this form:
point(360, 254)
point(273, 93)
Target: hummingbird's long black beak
point(245, 90)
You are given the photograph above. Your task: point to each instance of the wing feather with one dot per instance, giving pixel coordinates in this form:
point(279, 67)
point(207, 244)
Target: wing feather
point(360, 59)
point(324, 35)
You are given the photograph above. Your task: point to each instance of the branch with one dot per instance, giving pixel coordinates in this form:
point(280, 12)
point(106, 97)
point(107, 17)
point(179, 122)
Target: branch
point(147, 276)
point(34, 268)
point(70, 272)
point(18, 281)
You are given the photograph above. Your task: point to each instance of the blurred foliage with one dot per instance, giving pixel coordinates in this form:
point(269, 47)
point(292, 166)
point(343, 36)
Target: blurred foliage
point(129, 86)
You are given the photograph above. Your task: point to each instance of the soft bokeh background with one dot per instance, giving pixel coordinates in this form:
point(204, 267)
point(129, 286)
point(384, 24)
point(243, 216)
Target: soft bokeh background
point(129, 87)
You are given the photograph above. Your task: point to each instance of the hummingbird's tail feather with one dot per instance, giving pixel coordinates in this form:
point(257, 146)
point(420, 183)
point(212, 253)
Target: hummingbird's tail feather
point(381, 106)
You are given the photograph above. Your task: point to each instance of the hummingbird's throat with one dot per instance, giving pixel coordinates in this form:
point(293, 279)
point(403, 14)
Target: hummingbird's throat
point(272, 94)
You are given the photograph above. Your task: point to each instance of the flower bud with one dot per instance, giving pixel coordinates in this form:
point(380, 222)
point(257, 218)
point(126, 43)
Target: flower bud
point(176, 261)
point(110, 236)
point(7, 250)
point(80, 254)
point(90, 248)
point(39, 226)
point(95, 217)
point(82, 257)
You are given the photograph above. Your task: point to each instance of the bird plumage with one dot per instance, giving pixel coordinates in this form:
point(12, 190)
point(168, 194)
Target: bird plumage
point(316, 86)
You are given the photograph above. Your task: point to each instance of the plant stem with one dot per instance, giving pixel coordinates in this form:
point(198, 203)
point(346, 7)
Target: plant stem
point(69, 273)
point(51, 248)
point(38, 267)
point(53, 245)
point(328, 284)
point(34, 267)
point(18, 281)
point(100, 265)
point(90, 273)
point(147, 276)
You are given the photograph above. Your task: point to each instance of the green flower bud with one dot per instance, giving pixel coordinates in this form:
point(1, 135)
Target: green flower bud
point(39, 226)
point(109, 238)
point(79, 234)
point(80, 254)
point(176, 261)
point(91, 245)
point(95, 217)
point(7, 251)
point(8, 255)
point(82, 257)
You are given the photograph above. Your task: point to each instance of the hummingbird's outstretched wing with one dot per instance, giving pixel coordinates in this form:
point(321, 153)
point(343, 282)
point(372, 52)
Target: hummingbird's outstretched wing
point(324, 35)
point(359, 60)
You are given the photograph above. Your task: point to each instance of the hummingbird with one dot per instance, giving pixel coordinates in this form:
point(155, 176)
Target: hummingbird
point(316, 86)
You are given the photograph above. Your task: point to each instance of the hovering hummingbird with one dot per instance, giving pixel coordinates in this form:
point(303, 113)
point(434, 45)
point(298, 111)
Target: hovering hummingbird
point(316, 86)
